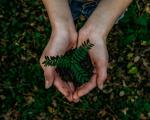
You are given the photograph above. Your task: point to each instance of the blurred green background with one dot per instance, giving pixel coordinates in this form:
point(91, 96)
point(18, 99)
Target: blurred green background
point(24, 32)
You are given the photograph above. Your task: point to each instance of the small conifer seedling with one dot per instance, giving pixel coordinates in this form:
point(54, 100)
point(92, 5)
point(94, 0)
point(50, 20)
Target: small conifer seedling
point(75, 65)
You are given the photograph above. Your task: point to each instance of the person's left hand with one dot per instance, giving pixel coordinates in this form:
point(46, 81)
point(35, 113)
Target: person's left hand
point(99, 57)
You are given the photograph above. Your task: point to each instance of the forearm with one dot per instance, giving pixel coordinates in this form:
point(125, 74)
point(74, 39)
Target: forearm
point(107, 13)
point(58, 12)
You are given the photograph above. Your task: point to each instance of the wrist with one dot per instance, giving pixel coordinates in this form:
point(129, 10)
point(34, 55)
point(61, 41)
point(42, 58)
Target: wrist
point(59, 13)
point(65, 31)
point(62, 24)
point(96, 29)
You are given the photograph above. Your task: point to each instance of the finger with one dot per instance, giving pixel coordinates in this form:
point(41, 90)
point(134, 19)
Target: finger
point(63, 88)
point(86, 88)
point(48, 72)
point(101, 77)
point(42, 59)
point(71, 86)
point(49, 76)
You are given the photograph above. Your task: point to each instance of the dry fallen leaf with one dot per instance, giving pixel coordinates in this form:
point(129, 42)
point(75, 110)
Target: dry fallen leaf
point(51, 109)
point(125, 111)
point(147, 8)
point(2, 97)
point(29, 99)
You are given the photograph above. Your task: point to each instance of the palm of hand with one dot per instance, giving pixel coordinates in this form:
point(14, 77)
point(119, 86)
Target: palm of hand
point(58, 45)
point(99, 57)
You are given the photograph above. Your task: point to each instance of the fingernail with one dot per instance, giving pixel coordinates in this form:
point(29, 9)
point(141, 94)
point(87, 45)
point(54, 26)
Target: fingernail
point(47, 85)
point(101, 86)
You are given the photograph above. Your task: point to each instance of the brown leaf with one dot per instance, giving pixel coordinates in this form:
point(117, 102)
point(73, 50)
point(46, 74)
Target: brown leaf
point(50, 109)
point(147, 8)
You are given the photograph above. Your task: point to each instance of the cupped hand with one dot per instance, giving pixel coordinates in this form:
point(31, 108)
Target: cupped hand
point(60, 41)
point(99, 57)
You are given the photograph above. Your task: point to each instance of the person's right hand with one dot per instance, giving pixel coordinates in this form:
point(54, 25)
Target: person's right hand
point(61, 40)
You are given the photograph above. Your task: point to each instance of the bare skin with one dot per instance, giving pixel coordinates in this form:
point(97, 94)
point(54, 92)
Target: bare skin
point(96, 30)
point(64, 37)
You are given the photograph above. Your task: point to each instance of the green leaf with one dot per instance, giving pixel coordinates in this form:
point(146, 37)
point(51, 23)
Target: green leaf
point(133, 70)
point(142, 20)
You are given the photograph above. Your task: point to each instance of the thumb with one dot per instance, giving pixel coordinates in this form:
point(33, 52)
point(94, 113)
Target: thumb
point(101, 77)
point(49, 76)
point(48, 73)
